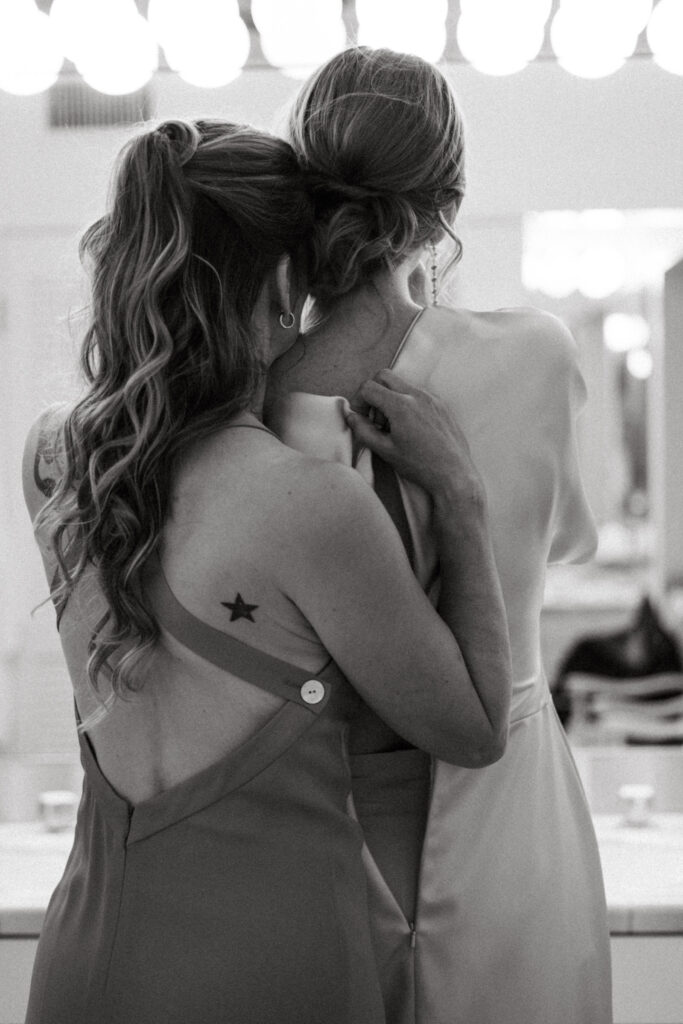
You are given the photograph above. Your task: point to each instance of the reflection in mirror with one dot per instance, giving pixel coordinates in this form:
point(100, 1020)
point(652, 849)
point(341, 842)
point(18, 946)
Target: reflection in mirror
point(612, 631)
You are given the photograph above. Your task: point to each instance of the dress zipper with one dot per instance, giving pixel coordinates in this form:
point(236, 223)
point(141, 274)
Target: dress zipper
point(413, 923)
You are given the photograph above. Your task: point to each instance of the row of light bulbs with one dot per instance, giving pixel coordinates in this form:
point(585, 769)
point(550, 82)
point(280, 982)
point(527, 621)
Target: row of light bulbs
point(116, 50)
point(597, 253)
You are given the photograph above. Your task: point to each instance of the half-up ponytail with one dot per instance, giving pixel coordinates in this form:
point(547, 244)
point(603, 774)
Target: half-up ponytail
point(201, 213)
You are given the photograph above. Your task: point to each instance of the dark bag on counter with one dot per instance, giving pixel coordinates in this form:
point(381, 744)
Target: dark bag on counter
point(643, 648)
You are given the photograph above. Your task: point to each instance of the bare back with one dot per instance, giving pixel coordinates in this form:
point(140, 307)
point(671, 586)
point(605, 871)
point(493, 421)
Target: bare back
point(294, 557)
point(187, 713)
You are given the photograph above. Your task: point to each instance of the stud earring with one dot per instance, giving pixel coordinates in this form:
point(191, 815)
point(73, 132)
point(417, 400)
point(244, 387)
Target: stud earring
point(435, 290)
point(290, 317)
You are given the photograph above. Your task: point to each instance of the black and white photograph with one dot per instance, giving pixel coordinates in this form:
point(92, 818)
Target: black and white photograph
point(341, 517)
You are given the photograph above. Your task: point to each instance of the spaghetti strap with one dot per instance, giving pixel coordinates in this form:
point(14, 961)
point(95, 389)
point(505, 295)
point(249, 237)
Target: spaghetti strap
point(404, 340)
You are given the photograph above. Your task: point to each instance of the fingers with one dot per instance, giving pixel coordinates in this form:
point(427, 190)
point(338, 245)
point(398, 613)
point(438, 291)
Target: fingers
point(377, 396)
point(366, 433)
point(393, 382)
point(378, 419)
point(387, 392)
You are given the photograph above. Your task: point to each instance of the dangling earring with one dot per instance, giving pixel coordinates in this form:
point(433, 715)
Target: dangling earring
point(291, 317)
point(432, 250)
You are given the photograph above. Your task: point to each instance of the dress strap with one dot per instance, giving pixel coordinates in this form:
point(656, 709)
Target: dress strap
point(281, 678)
point(386, 483)
point(404, 340)
point(388, 491)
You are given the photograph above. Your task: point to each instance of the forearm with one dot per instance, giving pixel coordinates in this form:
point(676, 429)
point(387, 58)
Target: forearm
point(471, 601)
point(425, 444)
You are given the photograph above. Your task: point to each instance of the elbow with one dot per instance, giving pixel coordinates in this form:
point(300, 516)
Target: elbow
point(490, 740)
point(489, 752)
point(480, 751)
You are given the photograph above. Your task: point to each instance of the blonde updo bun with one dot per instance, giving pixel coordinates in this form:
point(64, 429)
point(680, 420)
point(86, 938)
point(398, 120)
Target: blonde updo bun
point(380, 138)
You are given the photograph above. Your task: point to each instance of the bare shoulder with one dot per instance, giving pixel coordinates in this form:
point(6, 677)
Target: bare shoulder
point(321, 496)
point(296, 499)
point(328, 525)
point(522, 330)
point(530, 344)
point(43, 459)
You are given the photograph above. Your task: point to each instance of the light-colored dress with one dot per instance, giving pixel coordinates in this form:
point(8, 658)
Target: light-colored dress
point(510, 926)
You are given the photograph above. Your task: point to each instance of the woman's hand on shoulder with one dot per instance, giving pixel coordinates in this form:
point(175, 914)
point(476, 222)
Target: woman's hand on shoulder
point(417, 433)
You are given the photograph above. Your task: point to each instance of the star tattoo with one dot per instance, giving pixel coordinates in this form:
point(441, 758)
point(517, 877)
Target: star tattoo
point(239, 609)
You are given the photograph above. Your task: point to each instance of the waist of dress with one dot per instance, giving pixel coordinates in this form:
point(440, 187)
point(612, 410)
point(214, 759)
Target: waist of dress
point(391, 782)
point(529, 696)
point(407, 763)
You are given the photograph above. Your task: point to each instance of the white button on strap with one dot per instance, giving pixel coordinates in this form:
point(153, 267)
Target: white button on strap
point(312, 691)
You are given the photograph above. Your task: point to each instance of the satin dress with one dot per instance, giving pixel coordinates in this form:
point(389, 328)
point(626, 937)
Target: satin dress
point(510, 923)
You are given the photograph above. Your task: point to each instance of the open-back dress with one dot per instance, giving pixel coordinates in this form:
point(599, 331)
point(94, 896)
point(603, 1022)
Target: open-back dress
point(238, 895)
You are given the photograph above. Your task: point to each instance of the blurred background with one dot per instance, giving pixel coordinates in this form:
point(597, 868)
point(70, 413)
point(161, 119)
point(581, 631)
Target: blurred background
point(574, 204)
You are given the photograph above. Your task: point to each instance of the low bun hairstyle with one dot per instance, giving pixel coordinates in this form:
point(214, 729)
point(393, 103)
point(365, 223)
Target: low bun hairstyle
point(201, 212)
point(381, 139)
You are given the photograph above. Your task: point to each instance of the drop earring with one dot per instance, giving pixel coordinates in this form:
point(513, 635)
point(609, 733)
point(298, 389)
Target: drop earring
point(290, 318)
point(432, 251)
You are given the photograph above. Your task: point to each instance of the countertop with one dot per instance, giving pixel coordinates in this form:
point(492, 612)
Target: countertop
point(643, 870)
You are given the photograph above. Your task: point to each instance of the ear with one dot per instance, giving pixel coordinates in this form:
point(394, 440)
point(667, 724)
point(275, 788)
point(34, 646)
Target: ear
point(284, 284)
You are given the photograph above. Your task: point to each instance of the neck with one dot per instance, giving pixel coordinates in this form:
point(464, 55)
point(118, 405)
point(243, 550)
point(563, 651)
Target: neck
point(353, 339)
point(389, 291)
point(256, 404)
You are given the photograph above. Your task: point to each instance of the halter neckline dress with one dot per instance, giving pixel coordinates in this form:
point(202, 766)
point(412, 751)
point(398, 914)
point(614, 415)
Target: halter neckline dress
point(237, 896)
point(510, 923)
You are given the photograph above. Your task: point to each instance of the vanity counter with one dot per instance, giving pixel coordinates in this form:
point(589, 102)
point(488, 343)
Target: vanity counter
point(642, 866)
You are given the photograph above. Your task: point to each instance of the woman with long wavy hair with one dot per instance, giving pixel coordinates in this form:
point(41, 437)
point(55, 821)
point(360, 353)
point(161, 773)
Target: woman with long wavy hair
point(224, 603)
point(486, 889)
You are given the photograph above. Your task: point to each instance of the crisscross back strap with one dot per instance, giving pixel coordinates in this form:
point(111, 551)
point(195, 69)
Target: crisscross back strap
point(226, 652)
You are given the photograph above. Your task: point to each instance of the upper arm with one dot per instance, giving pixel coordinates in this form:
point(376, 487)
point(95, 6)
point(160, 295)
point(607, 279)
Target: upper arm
point(42, 464)
point(349, 575)
point(573, 535)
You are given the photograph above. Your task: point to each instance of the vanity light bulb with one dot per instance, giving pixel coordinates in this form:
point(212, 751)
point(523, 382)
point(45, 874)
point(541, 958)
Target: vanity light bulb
point(297, 36)
point(639, 363)
point(204, 41)
point(30, 52)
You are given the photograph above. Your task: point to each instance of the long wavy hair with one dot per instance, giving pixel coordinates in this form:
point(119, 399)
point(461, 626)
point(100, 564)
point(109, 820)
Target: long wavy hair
point(381, 137)
point(201, 212)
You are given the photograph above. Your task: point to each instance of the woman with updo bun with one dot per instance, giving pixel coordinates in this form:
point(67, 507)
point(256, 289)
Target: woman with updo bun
point(486, 894)
point(225, 606)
